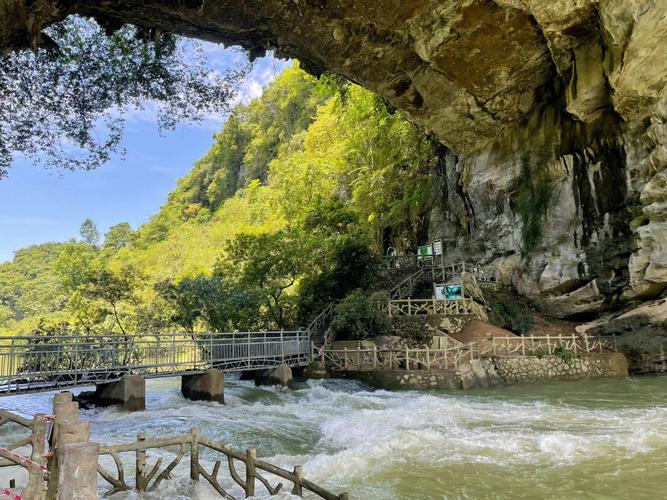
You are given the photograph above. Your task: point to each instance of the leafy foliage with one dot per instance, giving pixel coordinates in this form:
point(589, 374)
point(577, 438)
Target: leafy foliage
point(74, 93)
point(286, 213)
point(359, 316)
point(513, 318)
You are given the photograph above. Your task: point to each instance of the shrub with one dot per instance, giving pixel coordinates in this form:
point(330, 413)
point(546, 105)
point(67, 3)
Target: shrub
point(359, 316)
point(512, 318)
point(563, 353)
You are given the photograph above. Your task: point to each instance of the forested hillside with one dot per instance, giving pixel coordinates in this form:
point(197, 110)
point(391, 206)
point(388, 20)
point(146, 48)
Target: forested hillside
point(288, 209)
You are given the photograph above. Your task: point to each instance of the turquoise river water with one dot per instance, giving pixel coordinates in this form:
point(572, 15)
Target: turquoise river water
point(592, 439)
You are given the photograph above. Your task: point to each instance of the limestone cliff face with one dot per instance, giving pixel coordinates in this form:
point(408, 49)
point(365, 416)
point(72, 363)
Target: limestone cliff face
point(552, 115)
point(570, 204)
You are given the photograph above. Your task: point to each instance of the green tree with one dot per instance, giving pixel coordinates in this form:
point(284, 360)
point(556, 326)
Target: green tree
point(270, 263)
point(359, 316)
point(75, 264)
point(113, 288)
point(183, 299)
point(118, 236)
point(89, 233)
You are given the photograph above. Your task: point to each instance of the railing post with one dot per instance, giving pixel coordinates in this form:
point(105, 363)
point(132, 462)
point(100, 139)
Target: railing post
point(507, 344)
point(428, 359)
point(407, 359)
point(194, 454)
point(493, 345)
point(173, 348)
point(345, 358)
point(140, 455)
point(248, 349)
point(298, 477)
point(11, 359)
point(409, 306)
point(586, 346)
point(76, 360)
point(282, 346)
point(375, 356)
point(548, 344)
point(574, 343)
point(358, 357)
point(250, 457)
point(523, 346)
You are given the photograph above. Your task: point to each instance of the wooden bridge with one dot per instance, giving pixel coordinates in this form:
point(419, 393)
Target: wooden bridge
point(44, 363)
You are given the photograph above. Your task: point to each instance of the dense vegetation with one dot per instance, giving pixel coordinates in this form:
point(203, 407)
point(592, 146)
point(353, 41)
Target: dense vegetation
point(286, 212)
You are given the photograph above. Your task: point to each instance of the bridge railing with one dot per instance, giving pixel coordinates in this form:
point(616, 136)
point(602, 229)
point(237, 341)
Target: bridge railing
point(31, 363)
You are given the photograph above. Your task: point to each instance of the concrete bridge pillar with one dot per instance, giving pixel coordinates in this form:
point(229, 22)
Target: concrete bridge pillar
point(207, 386)
point(129, 392)
point(280, 375)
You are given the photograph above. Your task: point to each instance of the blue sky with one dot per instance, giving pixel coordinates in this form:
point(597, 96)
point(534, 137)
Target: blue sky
point(38, 205)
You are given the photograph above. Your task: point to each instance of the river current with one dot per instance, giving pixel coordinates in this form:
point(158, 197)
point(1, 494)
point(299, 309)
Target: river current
point(587, 439)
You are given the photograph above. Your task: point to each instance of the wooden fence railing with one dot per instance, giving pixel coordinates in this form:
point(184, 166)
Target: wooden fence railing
point(453, 357)
point(544, 345)
point(411, 307)
point(397, 359)
point(52, 437)
point(34, 434)
point(249, 478)
point(319, 330)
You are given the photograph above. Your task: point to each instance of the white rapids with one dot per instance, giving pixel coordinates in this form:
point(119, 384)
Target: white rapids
point(588, 439)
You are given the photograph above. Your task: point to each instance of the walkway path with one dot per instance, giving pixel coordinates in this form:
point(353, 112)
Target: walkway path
point(45, 363)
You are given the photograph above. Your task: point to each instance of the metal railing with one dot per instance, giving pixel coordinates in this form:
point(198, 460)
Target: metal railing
point(407, 287)
point(40, 363)
point(320, 329)
point(411, 307)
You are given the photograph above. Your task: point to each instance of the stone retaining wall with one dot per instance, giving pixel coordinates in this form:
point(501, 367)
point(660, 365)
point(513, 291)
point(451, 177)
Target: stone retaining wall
point(406, 379)
point(490, 372)
point(526, 370)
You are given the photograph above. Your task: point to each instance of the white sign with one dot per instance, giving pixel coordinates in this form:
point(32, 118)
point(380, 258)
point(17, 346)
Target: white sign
point(437, 247)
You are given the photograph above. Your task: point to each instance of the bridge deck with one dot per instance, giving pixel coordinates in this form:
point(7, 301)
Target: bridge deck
point(29, 364)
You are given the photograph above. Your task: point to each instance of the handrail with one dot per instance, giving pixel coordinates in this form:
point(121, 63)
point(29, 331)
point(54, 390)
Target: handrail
point(147, 478)
point(530, 345)
point(452, 358)
point(406, 285)
point(40, 363)
point(411, 307)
